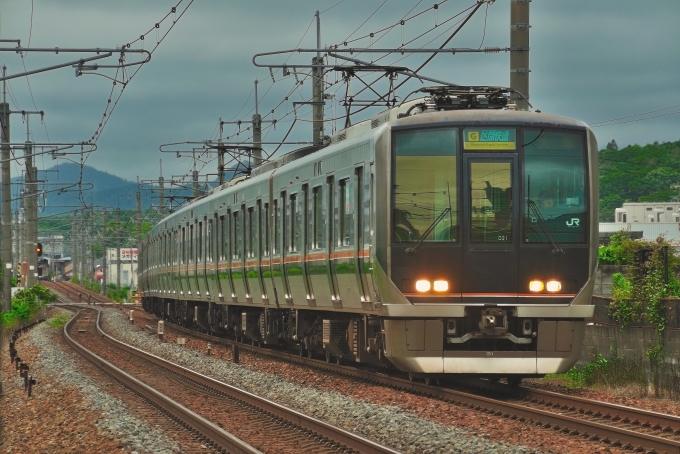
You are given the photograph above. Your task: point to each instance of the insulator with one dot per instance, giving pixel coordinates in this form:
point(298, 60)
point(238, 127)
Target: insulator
point(492, 50)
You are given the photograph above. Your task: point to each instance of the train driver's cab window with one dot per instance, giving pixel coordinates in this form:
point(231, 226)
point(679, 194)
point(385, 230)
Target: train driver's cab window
point(424, 191)
point(555, 190)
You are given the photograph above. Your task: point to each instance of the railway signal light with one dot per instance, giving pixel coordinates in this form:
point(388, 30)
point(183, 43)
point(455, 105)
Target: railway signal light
point(39, 249)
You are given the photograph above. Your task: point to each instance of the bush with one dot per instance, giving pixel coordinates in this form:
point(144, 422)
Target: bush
point(25, 304)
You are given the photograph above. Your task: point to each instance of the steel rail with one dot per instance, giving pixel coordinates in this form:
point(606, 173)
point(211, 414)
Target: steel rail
point(323, 429)
point(613, 435)
point(615, 412)
point(214, 433)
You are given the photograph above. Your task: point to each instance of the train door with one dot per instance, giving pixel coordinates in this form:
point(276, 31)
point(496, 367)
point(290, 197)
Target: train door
point(491, 223)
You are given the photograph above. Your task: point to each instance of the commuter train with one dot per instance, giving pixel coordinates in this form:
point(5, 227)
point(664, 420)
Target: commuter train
point(453, 234)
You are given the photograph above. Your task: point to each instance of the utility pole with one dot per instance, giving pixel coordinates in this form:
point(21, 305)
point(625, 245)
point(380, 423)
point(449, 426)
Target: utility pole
point(106, 254)
point(31, 209)
point(194, 178)
point(74, 246)
point(118, 247)
point(139, 228)
point(21, 257)
point(6, 201)
point(257, 132)
point(220, 158)
point(317, 90)
point(519, 51)
point(161, 192)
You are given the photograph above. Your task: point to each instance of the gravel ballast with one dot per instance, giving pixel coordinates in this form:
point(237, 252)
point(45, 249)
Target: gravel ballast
point(72, 403)
point(387, 425)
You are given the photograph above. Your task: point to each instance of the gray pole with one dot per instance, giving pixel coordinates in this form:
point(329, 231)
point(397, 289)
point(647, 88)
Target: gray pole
point(161, 193)
point(519, 50)
point(220, 158)
point(118, 248)
point(317, 90)
point(106, 253)
point(257, 132)
point(6, 203)
point(74, 246)
point(139, 218)
point(31, 215)
point(21, 257)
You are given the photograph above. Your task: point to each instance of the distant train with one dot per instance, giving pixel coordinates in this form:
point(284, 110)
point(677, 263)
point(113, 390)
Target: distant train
point(453, 234)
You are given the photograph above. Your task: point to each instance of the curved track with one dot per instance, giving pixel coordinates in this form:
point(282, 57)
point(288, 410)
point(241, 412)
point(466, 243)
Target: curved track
point(218, 438)
point(303, 432)
point(616, 425)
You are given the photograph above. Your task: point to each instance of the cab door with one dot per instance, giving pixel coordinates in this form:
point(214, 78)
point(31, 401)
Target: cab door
point(491, 219)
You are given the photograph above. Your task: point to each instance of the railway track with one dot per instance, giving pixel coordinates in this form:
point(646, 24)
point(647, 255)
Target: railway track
point(200, 393)
point(616, 425)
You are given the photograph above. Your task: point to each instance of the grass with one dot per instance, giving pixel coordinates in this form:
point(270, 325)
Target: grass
point(617, 373)
point(58, 321)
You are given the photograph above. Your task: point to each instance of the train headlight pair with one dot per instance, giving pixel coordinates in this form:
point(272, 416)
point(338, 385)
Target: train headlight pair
point(423, 285)
point(551, 286)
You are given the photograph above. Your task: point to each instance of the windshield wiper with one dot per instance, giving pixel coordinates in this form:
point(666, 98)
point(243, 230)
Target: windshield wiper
point(414, 249)
point(557, 249)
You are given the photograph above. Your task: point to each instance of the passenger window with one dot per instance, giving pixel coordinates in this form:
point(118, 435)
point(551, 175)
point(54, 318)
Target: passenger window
point(191, 244)
point(345, 212)
point(317, 218)
point(275, 239)
point(251, 232)
point(294, 234)
point(264, 223)
point(237, 235)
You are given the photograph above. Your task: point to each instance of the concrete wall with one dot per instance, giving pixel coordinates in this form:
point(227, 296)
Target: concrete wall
point(604, 336)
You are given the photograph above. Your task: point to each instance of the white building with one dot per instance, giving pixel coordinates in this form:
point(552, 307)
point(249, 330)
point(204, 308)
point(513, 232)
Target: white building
point(128, 267)
point(648, 212)
point(651, 218)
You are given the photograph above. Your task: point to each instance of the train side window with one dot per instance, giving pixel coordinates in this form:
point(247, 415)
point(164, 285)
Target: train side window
point(275, 230)
point(345, 212)
point(317, 218)
point(251, 232)
point(236, 251)
point(294, 233)
point(191, 243)
point(285, 228)
point(264, 223)
point(199, 243)
point(208, 241)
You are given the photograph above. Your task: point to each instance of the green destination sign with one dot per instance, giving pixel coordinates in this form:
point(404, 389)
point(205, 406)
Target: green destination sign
point(489, 139)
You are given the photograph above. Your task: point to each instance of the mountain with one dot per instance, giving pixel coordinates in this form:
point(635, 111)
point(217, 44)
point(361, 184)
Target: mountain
point(637, 174)
point(58, 190)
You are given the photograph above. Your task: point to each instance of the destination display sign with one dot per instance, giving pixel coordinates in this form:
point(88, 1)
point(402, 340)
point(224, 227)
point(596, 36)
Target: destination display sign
point(490, 139)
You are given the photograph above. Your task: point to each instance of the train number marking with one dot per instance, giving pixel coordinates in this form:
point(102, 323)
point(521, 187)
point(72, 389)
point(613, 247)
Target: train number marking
point(502, 238)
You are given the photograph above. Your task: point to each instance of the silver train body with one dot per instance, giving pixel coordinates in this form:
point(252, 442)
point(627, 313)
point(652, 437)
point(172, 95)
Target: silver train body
point(447, 242)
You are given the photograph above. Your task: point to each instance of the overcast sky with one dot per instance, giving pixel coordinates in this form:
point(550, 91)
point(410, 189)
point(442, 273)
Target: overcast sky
point(590, 60)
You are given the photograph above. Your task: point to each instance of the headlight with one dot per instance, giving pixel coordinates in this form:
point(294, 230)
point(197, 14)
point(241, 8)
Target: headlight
point(536, 286)
point(441, 286)
point(553, 286)
point(423, 285)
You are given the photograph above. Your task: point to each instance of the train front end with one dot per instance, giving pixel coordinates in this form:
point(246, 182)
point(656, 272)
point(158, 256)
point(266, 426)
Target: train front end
point(486, 261)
